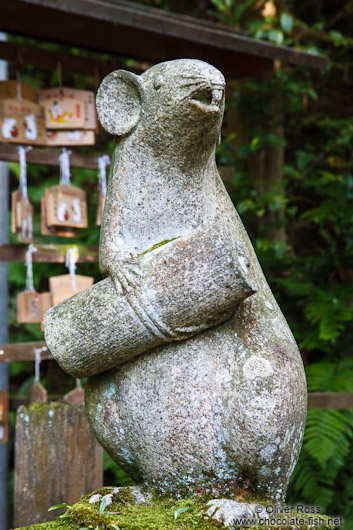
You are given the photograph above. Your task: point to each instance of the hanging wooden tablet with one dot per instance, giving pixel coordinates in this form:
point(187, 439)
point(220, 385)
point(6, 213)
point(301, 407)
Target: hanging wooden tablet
point(4, 417)
point(59, 231)
point(10, 89)
point(46, 302)
point(100, 208)
point(76, 396)
point(24, 219)
point(28, 308)
point(21, 217)
point(28, 302)
point(66, 205)
point(14, 199)
point(61, 287)
point(37, 393)
point(74, 137)
point(50, 95)
point(22, 122)
point(63, 113)
point(66, 285)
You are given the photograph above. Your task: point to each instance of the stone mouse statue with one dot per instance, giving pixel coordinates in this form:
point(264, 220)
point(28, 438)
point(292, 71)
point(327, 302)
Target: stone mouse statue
point(195, 380)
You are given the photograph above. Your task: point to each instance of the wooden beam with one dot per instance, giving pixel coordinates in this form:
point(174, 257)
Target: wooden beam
point(48, 253)
point(48, 156)
point(22, 351)
point(48, 60)
point(131, 30)
point(330, 400)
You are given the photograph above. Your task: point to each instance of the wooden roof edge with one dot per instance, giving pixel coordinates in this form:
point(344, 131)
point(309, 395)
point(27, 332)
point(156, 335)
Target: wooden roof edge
point(154, 20)
point(263, 48)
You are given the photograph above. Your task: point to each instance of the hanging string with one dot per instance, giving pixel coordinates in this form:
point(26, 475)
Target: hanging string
point(70, 262)
point(64, 159)
point(18, 75)
point(103, 162)
point(29, 266)
point(97, 77)
point(60, 77)
point(29, 227)
point(23, 170)
point(24, 228)
point(37, 361)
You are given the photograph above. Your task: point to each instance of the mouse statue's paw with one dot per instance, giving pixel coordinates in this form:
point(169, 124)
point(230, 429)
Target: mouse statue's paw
point(235, 514)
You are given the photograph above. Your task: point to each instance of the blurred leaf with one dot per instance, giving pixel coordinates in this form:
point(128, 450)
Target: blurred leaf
point(276, 36)
point(286, 22)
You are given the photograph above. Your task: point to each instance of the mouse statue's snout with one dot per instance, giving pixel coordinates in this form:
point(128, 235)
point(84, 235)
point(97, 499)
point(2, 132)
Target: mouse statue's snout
point(209, 99)
point(195, 380)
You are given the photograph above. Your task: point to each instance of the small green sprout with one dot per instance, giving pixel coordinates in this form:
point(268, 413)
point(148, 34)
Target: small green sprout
point(62, 505)
point(178, 512)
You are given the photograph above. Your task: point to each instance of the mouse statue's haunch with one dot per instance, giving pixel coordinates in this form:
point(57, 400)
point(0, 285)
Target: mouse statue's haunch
point(195, 380)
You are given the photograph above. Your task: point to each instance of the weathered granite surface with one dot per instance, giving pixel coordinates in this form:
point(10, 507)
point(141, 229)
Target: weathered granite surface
point(196, 380)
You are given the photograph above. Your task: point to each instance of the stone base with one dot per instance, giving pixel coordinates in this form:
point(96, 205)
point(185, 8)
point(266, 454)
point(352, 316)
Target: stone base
point(133, 509)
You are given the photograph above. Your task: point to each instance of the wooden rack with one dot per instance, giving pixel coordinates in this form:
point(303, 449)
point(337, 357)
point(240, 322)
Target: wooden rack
point(22, 351)
point(48, 156)
point(48, 253)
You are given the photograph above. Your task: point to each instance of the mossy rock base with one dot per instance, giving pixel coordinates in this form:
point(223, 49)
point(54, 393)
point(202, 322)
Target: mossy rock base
point(161, 513)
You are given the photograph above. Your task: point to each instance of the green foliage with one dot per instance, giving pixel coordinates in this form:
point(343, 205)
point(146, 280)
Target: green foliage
point(328, 442)
point(309, 265)
point(231, 12)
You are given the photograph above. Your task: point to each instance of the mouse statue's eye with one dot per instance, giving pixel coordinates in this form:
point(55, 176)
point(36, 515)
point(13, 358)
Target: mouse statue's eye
point(157, 82)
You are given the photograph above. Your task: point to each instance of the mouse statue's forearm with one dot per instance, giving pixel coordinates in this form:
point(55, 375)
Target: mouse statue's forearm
point(168, 294)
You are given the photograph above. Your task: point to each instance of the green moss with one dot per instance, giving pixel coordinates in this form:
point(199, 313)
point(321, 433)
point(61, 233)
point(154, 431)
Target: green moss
point(164, 242)
point(50, 526)
point(39, 407)
point(159, 514)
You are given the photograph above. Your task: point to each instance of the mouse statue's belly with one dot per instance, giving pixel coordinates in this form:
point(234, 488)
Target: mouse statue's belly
point(196, 384)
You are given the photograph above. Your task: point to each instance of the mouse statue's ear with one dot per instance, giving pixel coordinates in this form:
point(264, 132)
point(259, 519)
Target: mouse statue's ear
point(118, 101)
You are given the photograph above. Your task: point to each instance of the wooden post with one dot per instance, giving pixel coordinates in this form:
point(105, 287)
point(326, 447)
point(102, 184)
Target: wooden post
point(4, 379)
point(57, 459)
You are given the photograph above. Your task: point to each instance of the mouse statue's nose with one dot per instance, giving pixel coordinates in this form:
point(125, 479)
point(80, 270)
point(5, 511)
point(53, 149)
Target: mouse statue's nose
point(209, 99)
point(217, 95)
